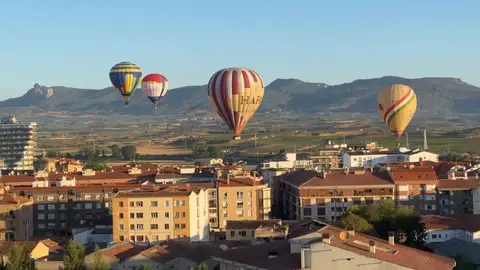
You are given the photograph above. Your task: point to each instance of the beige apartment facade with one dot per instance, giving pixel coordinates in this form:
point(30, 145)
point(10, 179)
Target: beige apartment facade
point(16, 218)
point(241, 198)
point(174, 212)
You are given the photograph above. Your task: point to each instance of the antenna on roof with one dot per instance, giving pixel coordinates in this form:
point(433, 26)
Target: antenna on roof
point(425, 144)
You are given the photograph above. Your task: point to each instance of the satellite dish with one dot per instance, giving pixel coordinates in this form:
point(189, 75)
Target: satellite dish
point(345, 235)
point(223, 247)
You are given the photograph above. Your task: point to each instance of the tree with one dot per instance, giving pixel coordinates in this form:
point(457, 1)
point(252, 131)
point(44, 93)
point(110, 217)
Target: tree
point(199, 149)
point(357, 223)
point(74, 258)
point(129, 152)
point(385, 217)
point(116, 151)
point(463, 264)
point(99, 263)
point(202, 266)
point(142, 267)
point(18, 258)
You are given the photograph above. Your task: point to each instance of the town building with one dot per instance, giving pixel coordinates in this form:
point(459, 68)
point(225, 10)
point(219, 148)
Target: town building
point(238, 198)
point(443, 228)
point(18, 143)
point(154, 213)
point(286, 161)
point(16, 217)
point(35, 249)
point(64, 165)
point(328, 159)
point(255, 230)
point(314, 245)
point(370, 159)
point(460, 196)
point(56, 208)
point(415, 187)
point(311, 194)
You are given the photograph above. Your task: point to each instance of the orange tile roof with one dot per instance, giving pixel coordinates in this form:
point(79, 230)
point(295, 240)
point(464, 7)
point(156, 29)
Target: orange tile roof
point(159, 191)
point(78, 187)
point(123, 251)
point(6, 199)
point(462, 222)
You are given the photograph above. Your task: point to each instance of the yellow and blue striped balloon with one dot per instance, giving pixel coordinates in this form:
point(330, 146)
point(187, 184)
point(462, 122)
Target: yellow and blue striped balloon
point(125, 77)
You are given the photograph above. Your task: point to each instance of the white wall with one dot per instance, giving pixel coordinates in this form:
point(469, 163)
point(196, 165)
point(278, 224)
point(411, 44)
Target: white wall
point(424, 155)
point(81, 236)
point(199, 227)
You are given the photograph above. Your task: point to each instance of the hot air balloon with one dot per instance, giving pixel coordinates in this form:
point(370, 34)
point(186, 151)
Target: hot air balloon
point(125, 77)
point(155, 86)
point(235, 94)
point(397, 105)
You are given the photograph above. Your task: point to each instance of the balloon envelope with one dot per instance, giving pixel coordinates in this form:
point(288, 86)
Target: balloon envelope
point(397, 105)
point(125, 77)
point(236, 94)
point(155, 86)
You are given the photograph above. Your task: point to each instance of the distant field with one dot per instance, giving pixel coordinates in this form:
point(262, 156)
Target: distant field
point(154, 136)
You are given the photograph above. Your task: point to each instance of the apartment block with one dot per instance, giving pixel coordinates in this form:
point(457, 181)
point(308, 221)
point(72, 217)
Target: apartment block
point(240, 197)
point(158, 213)
point(328, 158)
point(18, 142)
point(57, 208)
point(415, 187)
point(458, 196)
point(16, 217)
point(311, 194)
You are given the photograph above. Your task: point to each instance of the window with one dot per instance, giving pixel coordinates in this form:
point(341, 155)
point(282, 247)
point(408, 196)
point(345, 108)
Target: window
point(232, 233)
point(132, 215)
point(182, 226)
point(132, 227)
point(41, 226)
point(154, 226)
point(139, 204)
point(177, 226)
point(63, 225)
point(41, 207)
point(165, 203)
point(41, 216)
point(139, 215)
point(139, 226)
point(51, 207)
point(88, 206)
point(88, 196)
point(62, 197)
point(51, 216)
point(154, 215)
point(88, 216)
point(132, 204)
point(225, 213)
point(154, 203)
point(183, 214)
point(39, 198)
point(176, 203)
point(97, 197)
point(240, 195)
point(167, 226)
point(50, 198)
point(167, 215)
point(307, 211)
point(120, 204)
point(63, 206)
point(98, 205)
point(122, 238)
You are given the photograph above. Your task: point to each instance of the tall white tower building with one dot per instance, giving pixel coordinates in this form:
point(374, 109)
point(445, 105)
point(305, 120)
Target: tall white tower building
point(18, 143)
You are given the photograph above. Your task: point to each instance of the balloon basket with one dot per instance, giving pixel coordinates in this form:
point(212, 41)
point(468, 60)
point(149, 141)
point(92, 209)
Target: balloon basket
point(237, 138)
point(126, 103)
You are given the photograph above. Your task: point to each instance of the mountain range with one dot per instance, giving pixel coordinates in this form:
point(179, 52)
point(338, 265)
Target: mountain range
point(435, 96)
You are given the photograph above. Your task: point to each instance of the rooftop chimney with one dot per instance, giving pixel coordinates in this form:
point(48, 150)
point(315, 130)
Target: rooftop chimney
point(228, 179)
point(326, 238)
point(476, 176)
point(391, 238)
point(352, 233)
point(371, 244)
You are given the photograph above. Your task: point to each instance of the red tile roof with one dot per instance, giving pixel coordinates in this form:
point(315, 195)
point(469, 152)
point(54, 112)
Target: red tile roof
point(9, 199)
point(397, 254)
point(420, 175)
point(239, 181)
point(304, 178)
point(462, 222)
point(460, 184)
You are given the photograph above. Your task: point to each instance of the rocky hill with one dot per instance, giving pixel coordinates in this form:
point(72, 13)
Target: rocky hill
point(435, 96)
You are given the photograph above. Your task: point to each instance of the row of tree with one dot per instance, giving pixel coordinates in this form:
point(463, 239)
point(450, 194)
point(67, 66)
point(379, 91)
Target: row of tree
point(74, 259)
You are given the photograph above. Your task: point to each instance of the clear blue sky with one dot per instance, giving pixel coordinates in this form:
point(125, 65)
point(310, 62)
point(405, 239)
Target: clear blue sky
point(75, 43)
